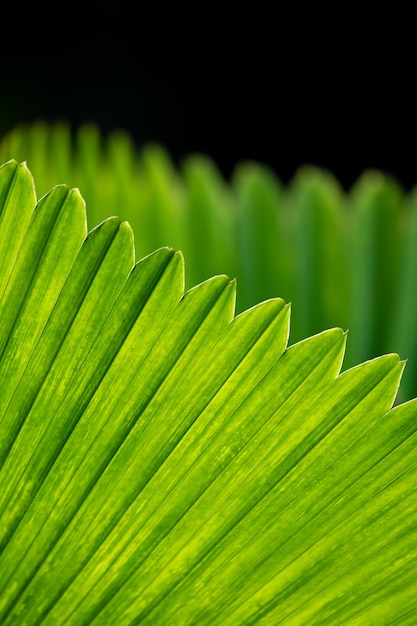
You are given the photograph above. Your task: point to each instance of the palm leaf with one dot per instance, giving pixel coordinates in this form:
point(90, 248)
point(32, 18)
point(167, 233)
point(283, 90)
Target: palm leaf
point(166, 461)
point(343, 258)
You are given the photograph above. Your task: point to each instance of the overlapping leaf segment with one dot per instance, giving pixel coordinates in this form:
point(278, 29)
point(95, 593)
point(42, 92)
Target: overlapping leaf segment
point(164, 462)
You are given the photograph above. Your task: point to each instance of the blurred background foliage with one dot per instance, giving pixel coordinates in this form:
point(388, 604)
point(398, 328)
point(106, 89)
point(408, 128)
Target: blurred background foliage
point(342, 257)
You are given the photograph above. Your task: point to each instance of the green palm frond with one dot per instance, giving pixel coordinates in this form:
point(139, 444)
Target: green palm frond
point(342, 258)
point(165, 461)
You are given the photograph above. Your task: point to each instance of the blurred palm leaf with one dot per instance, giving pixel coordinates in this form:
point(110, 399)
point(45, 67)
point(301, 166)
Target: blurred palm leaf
point(344, 259)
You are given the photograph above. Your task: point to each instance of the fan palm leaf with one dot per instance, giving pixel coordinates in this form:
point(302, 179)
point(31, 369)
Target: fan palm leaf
point(166, 461)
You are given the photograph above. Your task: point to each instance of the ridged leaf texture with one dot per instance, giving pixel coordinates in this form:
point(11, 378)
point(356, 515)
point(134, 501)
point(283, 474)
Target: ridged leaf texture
point(165, 461)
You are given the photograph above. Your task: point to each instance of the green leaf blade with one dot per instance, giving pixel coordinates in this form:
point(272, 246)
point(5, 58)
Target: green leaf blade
point(166, 461)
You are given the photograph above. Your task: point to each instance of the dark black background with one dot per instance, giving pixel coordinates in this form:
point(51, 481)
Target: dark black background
point(284, 82)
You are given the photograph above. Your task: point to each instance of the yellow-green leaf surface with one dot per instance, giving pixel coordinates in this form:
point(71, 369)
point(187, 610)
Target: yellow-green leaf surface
point(166, 461)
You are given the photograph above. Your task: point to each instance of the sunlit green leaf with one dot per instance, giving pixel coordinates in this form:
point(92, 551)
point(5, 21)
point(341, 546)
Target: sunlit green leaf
point(166, 461)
